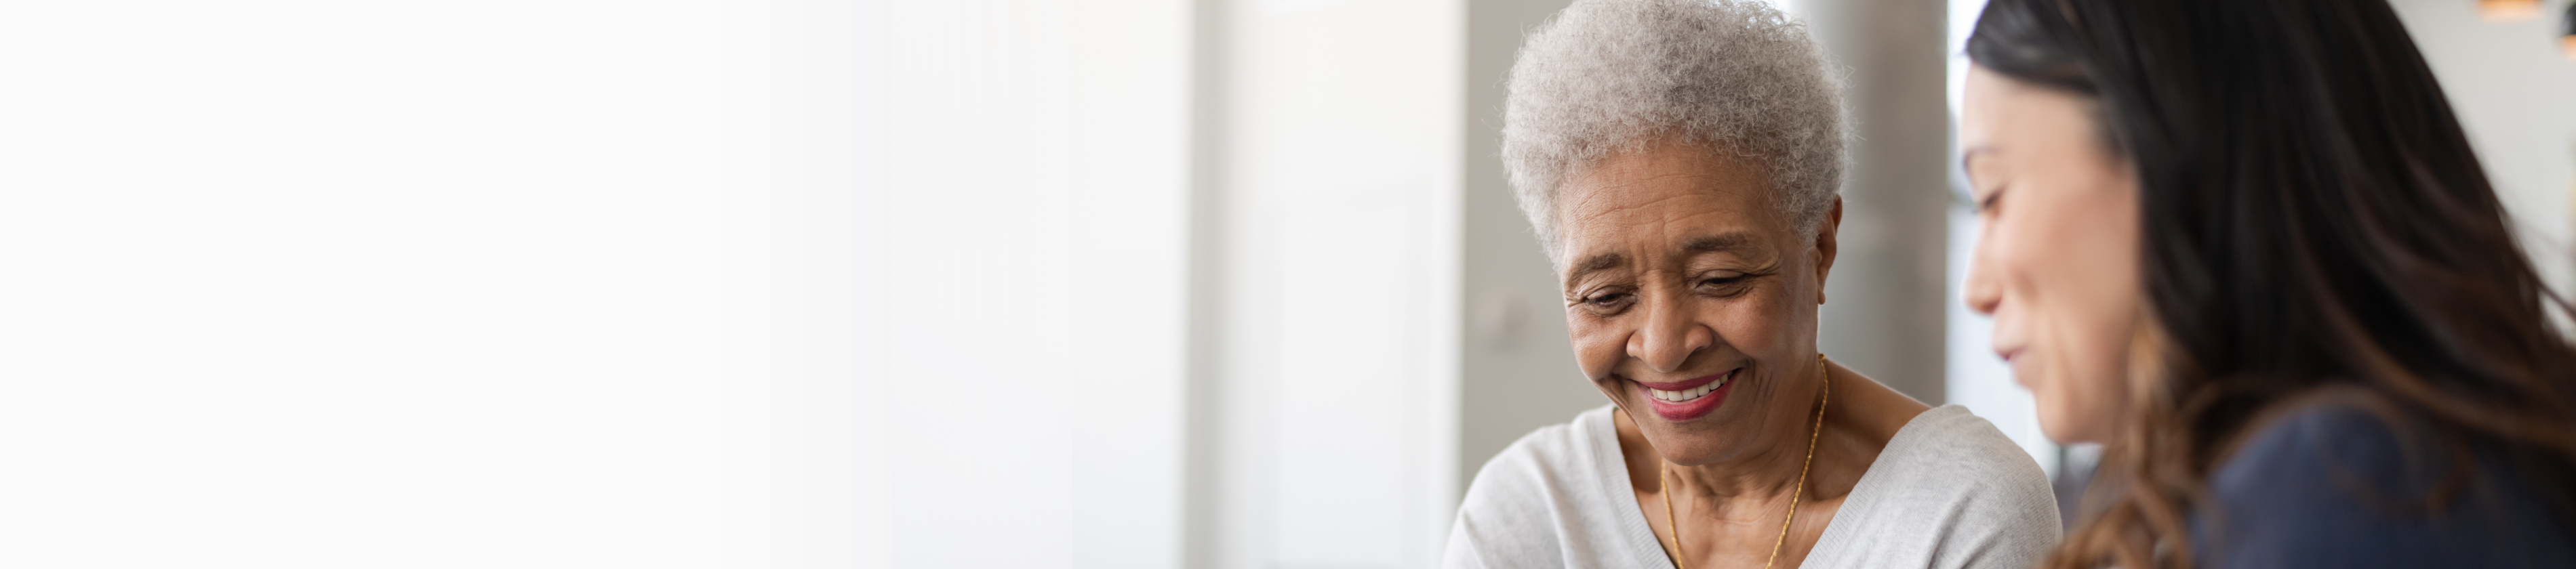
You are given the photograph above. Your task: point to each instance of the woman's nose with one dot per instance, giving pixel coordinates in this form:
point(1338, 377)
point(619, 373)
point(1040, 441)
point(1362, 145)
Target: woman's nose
point(1668, 339)
point(1981, 292)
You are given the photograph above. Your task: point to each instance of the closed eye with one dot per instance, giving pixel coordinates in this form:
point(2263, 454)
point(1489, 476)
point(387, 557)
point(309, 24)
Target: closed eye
point(1726, 286)
point(1988, 203)
point(1607, 303)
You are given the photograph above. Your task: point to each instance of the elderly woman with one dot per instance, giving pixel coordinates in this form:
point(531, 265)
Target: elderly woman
point(1680, 159)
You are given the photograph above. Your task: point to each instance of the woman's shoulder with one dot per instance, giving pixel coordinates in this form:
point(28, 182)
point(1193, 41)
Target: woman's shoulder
point(1949, 490)
point(1558, 497)
point(1951, 448)
point(2367, 454)
point(2306, 438)
point(2337, 484)
point(1553, 459)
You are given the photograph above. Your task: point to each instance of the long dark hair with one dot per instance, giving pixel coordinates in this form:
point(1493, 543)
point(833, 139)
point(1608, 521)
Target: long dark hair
point(2313, 221)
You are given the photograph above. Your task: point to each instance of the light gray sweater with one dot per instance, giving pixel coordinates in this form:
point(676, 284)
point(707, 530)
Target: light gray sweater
point(1949, 491)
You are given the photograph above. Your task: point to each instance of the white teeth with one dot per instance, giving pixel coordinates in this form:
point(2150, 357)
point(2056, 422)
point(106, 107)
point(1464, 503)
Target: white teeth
point(1692, 393)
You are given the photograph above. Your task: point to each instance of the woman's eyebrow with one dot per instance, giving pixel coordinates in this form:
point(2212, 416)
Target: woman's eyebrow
point(1718, 243)
point(1592, 264)
point(1969, 157)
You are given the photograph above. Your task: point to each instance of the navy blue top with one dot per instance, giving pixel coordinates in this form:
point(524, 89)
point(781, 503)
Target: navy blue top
point(2334, 486)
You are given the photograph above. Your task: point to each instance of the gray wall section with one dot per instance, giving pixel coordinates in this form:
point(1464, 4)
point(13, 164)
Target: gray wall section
point(1204, 437)
point(1518, 371)
point(1885, 299)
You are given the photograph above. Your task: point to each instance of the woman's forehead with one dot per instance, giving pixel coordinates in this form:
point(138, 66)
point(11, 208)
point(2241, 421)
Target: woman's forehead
point(1677, 199)
point(1664, 170)
point(1668, 200)
point(1643, 231)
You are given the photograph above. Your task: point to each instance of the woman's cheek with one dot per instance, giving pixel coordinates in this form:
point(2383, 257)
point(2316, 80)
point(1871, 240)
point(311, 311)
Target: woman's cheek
point(2083, 399)
point(1593, 348)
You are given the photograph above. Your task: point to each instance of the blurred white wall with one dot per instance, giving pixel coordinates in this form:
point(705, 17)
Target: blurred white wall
point(1335, 379)
point(591, 284)
point(387, 283)
point(1019, 243)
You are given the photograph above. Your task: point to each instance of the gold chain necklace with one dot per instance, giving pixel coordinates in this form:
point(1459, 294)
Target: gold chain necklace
point(1662, 478)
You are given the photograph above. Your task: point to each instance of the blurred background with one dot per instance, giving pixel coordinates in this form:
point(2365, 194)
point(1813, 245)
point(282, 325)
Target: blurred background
point(805, 283)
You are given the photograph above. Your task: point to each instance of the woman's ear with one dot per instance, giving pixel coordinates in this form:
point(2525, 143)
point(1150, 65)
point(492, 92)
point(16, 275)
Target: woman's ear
point(1824, 249)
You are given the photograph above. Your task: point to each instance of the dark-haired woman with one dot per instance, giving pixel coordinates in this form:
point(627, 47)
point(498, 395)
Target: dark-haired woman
point(2246, 245)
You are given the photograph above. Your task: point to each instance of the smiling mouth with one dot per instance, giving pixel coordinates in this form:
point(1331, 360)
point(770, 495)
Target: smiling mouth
point(1687, 400)
point(1688, 391)
point(1692, 394)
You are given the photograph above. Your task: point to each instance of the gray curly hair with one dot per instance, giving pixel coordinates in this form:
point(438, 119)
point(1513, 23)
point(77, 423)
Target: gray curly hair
point(1609, 76)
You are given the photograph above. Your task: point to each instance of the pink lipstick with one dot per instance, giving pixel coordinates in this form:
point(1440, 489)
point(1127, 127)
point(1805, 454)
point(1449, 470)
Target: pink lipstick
point(1686, 400)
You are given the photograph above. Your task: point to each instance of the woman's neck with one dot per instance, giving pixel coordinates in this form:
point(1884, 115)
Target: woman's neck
point(1864, 416)
point(1765, 475)
point(1735, 513)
